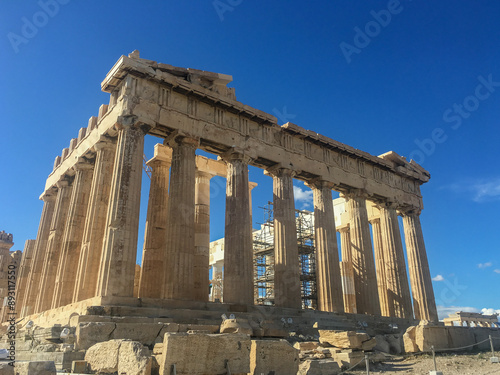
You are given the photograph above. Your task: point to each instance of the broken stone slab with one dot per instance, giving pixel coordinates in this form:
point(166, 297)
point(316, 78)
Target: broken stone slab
point(306, 345)
point(122, 356)
point(134, 359)
point(343, 339)
point(369, 344)
point(276, 357)
point(318, 367)
point(240, 326)
point(35, 368)
point(79, 367)
point(409, 343)
point(427, 336)
point(91, 333)
point(206, 353)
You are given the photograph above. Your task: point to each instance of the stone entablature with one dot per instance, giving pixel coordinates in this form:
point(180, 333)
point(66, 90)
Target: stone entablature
point(169, 104)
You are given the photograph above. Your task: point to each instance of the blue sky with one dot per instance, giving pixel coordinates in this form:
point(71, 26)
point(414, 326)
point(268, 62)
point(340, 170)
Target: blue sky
point(418, 78)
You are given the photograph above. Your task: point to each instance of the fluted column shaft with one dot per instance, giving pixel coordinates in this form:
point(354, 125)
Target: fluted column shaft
point(54, 243)
point(34, 276)
point(23, 274)
point(202, 236)
point(119, 251)
point(179, 282)
point(73, 234)
point(155, 237)
point(347, 271)
point(424, 304)
point(367, 301)
point(287, 291)
point(238, 253)
point(95, 221)
point(380, 266)
point(328, 278)
point(398, 290)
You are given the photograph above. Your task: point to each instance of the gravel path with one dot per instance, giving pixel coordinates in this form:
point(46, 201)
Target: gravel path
point(451, 364)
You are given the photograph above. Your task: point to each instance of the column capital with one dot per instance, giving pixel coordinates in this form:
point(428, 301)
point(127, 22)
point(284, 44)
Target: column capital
point(128, 122)
point(235, 154)
point(278, 170)
point(83, 164)
point(374, 219)
point(355, 193)
point(318, 183)
point(252, 185)
point(49, 195)
point(105, 143)
point(62, 183)
point(204, 174)
point(178, 137)
point(410, 211)
point(343, 228)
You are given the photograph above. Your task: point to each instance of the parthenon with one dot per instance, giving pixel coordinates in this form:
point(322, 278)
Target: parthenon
point(86, 245)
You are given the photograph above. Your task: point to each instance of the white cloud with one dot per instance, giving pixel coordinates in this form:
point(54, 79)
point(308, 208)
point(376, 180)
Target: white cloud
point(481, 190)
point(438, 278)
point(303, 196)
point(484, 265)
point(444, 311)
point(497, 271)
point(490, 311)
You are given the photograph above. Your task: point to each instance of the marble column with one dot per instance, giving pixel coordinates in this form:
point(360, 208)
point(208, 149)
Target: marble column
point(95, 221)
point(328, 280)
point(424, 304)
point(23, 274)
point(34, 276)
point(54, 243)
point(365, 280)
point(398, 290)
point(347, 271)
point(380, 266)
point(119, 251)
point(202, 236)
point(179, 282)
point(238, 246)
point(155, 237)
point(73, 234)
point(287, 291)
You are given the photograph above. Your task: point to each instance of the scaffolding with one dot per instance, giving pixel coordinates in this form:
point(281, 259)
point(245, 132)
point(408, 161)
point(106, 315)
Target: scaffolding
point(263, 247)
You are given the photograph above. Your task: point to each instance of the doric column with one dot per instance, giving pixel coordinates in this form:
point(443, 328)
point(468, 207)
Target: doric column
point(380, 266)
point(51, 259)
point(398, 290)
point(238, 253)
point(202, 235)
point(179, 282)
point(34, 276)
point(328, 280)
point(73, 233)
point(23, 274)
point(424, 304)
point(155, 237)
point(95, 221)
point(287, 292)
point(347, 271)
point(119, 251)
point(365, 280)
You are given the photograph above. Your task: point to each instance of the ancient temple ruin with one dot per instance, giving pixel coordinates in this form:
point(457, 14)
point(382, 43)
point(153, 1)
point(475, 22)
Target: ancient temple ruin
point(80, 272)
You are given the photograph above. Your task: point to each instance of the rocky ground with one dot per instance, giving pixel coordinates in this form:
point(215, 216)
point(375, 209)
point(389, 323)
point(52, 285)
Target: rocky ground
point(450, 364)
